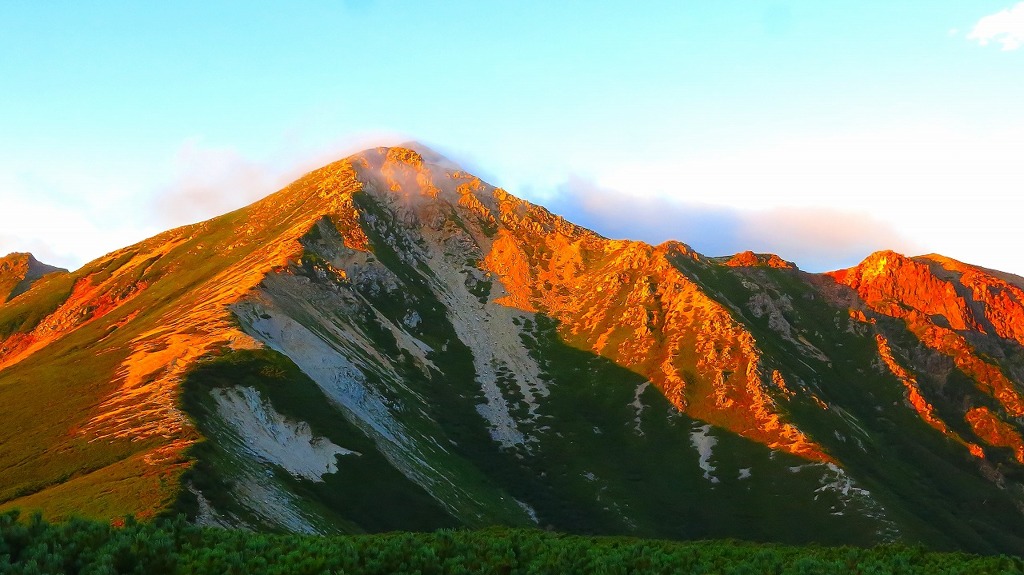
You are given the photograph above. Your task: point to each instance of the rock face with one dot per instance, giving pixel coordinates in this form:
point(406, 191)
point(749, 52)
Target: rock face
point(966, 316)
point(18, 271)
point(750, 259)
point(392, 329)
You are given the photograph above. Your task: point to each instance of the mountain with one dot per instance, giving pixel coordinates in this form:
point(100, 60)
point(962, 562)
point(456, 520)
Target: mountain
point(392, 343)
point(18, 271)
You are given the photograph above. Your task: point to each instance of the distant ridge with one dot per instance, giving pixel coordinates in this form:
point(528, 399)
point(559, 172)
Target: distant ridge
point(18, 271)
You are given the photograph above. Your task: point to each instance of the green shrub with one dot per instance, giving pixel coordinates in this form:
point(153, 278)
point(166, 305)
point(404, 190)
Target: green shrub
point(174, 546)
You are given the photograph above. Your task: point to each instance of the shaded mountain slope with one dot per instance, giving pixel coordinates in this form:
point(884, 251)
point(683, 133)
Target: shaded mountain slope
point(391, 329)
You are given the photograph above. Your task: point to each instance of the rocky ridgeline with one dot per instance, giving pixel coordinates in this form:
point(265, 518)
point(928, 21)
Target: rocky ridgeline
point(971, 318)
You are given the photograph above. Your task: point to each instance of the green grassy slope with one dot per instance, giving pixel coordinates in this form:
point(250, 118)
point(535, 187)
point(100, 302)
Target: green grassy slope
point(606, 454)
point(929, 484)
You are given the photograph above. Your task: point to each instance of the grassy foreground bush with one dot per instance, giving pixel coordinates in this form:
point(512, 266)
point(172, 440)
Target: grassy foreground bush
point(79, 546)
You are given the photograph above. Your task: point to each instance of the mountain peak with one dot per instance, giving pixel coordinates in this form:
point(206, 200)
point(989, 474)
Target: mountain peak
point(418, 179)
point(429, 154)
point(874, 265)
point(487, 361)
point(18, 271)
point(947, 305)
point(749, 259)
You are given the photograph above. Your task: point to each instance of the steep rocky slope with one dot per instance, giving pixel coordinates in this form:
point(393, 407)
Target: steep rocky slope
point(392, 343)
point(971, 322)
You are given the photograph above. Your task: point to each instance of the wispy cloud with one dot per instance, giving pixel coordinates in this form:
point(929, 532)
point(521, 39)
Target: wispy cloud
point(1005, 27)
point(56, 234)
point(70, 216)
point(67, 216)
point(817, 239)
point(209, 182)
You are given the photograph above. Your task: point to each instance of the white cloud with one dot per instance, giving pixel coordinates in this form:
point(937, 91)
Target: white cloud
point(209, 182)
point(817, 239)
point(56, 234)
point(70, 215)
point(1005, 27)
point(822, 201)
point(74, 212)
point(950, 190)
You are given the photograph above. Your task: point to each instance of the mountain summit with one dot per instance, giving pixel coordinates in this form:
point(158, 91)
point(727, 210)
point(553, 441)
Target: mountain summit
point(392, 343)
point(18, 271)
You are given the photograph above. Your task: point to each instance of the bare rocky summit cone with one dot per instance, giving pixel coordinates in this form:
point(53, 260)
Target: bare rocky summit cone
point(392, 343)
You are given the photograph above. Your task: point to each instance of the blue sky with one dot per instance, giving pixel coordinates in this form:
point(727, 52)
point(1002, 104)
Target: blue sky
point(821, 131)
